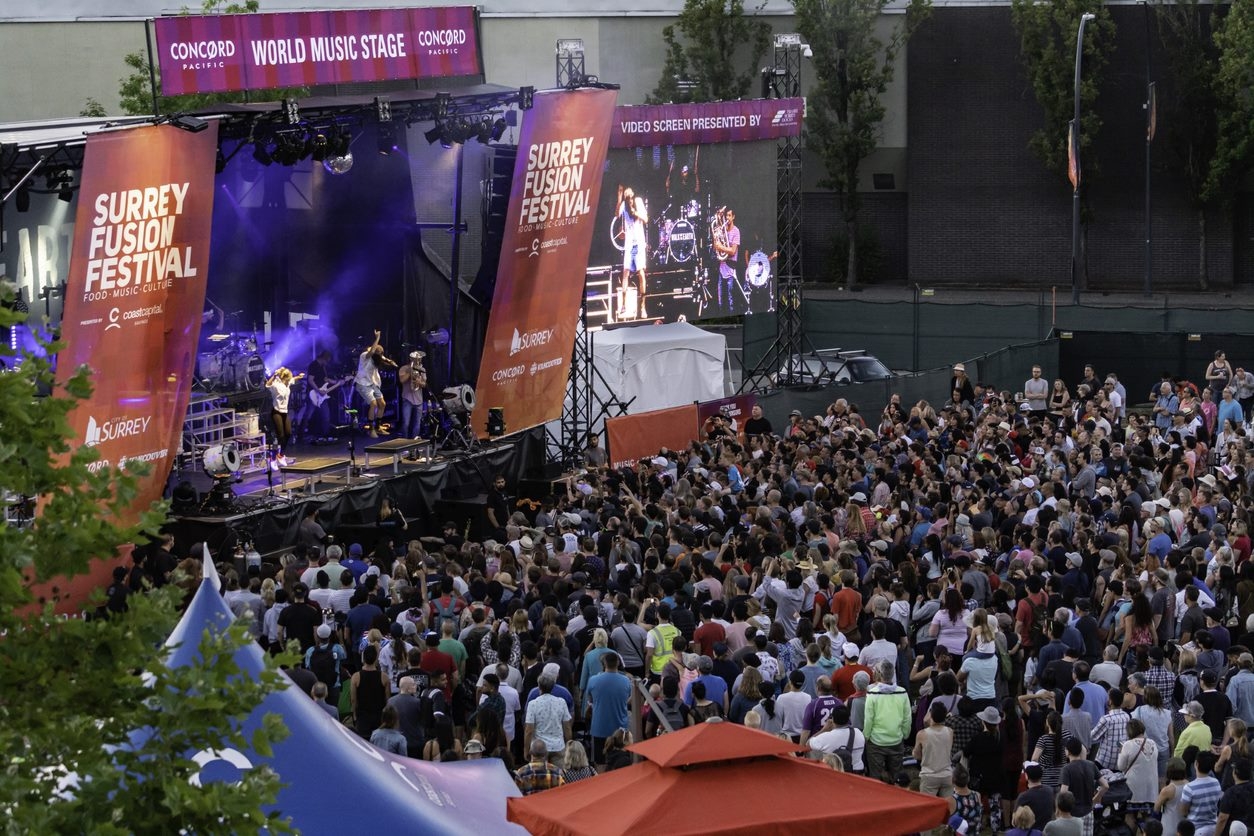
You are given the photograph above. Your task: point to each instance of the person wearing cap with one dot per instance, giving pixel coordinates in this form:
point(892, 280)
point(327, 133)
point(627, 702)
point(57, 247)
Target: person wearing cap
point(984, 755)
point(1196, 733)
point(961, 384)
point(842, 680)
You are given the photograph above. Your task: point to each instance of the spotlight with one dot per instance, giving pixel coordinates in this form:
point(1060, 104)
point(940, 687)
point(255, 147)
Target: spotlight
point(443, 101)
point(526, 97)
point(23, 199)
point(319, 151)
point(433, 136)
point(221, 461)
point(483, 131)
point(339, 164)
point(292, 111)
point(66, 193)
point(459, 400)
point(498, 129)
point(496, 421)
point(261, 154)
point(383, 109)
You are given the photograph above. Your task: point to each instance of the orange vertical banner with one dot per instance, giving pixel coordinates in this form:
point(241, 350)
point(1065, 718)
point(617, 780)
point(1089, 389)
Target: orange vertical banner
point(135, 293)
point(544, 256)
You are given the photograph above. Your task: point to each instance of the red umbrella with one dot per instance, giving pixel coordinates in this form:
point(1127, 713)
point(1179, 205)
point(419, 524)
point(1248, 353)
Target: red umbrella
point(722, 778)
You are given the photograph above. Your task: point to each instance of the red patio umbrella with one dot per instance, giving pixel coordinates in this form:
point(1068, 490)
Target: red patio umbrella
point(722, 778)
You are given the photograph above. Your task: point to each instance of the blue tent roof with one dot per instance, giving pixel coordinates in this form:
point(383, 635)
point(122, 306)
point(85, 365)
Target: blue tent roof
point(332, 778)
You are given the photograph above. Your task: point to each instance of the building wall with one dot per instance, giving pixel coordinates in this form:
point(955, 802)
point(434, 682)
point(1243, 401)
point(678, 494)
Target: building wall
point(984, 210)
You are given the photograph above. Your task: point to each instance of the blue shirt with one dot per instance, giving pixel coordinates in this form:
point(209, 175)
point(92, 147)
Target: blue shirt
point(715, 689)
point(558, 691)
point(1095, 699)
point(609, 693)
point(1241, 694)
point(1229, 411)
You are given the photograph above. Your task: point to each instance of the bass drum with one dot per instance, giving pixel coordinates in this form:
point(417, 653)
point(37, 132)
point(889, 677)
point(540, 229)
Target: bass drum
point(247, 372)
point(759, 272)
point(683, 241)
point(221, 460)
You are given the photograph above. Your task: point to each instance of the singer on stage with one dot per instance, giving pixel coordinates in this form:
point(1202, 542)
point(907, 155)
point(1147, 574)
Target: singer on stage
point(369, 383)
point(280, 387)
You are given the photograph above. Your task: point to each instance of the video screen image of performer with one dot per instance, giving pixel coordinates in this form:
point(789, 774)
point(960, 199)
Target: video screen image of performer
point(369, 383)
point(633, 215)
point(689, 232)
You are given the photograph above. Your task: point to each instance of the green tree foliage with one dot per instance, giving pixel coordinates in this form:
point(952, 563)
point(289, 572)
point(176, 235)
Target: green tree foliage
point(853, 66)
point(92, 107)
point(74, 695)
point(1234, 153)
point(135, 90)
point(714, 51)
point(1190, 116)
point(1047, 32)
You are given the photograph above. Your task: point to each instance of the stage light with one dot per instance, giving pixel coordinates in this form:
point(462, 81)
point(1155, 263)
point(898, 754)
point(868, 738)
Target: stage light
point(339, 164)
point(261, 154)
point(433, 136)
point(459, 400)
point(184, 499)
point(383, 109)
point(483, 131)
point(498, 129)
point(319, 152)
point(23, 199)
point(292, 111)
point(66, 193)
point(526, 97)
point(496, 421)
point(221, 461)
point(189, 123)
point(443, 101)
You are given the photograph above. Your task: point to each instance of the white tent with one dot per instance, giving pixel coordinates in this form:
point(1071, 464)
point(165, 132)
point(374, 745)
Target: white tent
point(659, 365)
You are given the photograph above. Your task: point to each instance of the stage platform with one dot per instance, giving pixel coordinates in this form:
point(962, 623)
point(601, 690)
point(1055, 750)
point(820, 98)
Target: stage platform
point(268, 508)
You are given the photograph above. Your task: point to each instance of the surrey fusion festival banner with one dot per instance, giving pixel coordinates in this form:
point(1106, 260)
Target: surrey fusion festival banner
point(220, 53)
point(548, 232)
point(135, 293)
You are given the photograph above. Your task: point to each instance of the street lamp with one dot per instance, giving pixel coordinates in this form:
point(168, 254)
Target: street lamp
point(1073, 155)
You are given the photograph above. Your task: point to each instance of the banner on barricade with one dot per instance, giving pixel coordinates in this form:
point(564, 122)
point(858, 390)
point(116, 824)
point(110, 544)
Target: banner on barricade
point(633, 437)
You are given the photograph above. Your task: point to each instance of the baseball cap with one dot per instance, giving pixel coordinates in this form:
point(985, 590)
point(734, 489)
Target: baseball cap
point(473, 747)
point(850, 650)
point(355, 550)
point(858, 497)
point(324, 631)
point(1193, 709)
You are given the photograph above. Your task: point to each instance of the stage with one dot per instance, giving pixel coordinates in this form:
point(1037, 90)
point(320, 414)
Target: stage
point(267, 510)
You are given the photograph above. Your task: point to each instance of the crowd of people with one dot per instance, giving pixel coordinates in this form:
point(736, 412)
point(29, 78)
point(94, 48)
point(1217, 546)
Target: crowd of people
point(1042, 601)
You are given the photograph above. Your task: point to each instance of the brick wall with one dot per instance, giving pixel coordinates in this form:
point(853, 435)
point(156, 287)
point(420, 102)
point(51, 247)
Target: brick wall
point(885, 213)
point(982, 209)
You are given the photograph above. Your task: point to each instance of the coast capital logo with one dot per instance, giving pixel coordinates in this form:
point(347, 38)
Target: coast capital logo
point(114, 316)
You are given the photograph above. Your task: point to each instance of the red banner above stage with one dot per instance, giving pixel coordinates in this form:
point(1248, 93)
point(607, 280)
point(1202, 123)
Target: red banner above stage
point(134, 297)
point(634, 437)
point(706, 122)
point(222, 53)
point(552, 212)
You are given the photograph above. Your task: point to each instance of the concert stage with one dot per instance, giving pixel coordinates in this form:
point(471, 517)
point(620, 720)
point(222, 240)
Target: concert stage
point(268, 510)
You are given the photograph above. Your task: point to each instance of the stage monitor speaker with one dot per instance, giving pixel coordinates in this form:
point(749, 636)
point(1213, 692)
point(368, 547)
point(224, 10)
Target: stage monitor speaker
point(499, 176)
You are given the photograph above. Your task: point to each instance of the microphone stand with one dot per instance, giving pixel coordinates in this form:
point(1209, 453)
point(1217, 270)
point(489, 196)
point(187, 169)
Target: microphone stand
point(352, 443)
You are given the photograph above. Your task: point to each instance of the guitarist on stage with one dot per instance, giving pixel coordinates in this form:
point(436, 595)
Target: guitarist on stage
point(413, 380)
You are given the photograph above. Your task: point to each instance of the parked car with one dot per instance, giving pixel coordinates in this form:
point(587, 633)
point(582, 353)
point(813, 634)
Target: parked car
point(830, 365)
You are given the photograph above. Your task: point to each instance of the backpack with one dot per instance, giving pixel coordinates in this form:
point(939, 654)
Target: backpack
point(322, 664)
point(1187, 686)
point(845, 750)
point(674, 714)
point(1040, 615)
point(427, 708)
point(443, 615)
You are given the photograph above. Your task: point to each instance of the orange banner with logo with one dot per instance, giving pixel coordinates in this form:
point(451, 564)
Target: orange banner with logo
point(134, 297)
point(548, 232)
point(633, 437)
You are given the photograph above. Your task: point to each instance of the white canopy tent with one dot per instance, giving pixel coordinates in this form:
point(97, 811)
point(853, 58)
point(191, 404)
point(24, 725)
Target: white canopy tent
point(659, 366)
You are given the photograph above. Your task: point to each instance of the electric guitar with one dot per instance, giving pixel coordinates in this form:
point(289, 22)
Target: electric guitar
point(318, 396)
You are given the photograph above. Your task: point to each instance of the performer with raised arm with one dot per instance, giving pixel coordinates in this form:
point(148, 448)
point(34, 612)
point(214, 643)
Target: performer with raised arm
point(280, 388)
point(726, 237)
point(369, 383)
point(633, 218)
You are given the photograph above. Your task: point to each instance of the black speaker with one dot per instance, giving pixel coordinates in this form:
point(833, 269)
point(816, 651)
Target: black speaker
point(499, 177)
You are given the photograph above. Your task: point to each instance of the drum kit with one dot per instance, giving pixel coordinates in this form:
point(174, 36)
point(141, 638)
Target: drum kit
point(236, 365)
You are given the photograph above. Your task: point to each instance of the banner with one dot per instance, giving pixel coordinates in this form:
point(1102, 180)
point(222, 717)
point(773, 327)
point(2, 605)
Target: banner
point(548, 232)
point(134, 298)
point(223, 53)
point(634, 437)
point(706, 122)
point(735, 409)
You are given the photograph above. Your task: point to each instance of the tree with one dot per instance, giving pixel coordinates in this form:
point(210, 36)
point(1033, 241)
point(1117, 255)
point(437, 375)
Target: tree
point(1234, 152)
point(704, 49)
point(135, 92)
point(75, 698)
point(92, 107)
point(1186, 30)
point(853, 67)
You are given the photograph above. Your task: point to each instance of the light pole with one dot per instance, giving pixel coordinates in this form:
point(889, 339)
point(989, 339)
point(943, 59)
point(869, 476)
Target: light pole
point(1073, 153)
point(1151, 118)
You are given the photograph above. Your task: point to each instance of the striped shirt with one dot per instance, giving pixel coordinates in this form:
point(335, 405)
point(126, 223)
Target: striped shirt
point(1202, 795)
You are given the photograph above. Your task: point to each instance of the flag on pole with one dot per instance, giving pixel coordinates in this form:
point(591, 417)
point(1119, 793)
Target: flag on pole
point(1151, 124)
point(1073, 155)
